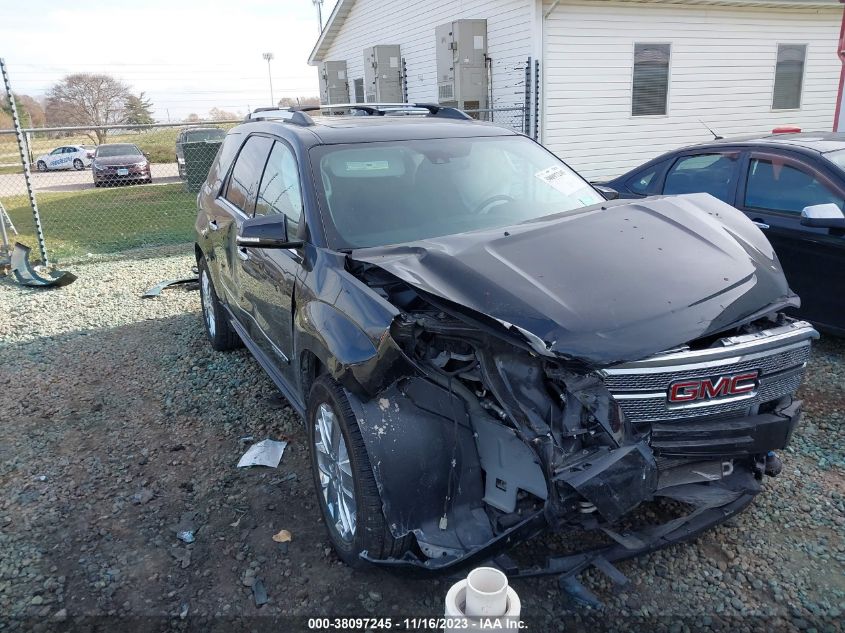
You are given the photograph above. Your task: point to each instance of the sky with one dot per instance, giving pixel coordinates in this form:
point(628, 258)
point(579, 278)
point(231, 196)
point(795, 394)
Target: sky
point(188, 56)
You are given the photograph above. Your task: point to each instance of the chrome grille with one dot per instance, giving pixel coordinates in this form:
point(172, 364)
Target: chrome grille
point(780, 355)
point(660, 380)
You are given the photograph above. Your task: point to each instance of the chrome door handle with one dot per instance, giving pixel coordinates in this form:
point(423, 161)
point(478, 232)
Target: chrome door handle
point(243, 253)
point(761, 225)
point(213, 225)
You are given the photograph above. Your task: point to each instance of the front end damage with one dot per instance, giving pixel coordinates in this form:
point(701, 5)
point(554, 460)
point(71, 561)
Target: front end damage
point(484, 441)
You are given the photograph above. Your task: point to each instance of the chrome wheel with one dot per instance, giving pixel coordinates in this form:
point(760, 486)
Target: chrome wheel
point(207, 303)
point(335, 472)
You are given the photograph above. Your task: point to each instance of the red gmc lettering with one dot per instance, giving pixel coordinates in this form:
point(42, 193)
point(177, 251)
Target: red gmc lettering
point(708, 389)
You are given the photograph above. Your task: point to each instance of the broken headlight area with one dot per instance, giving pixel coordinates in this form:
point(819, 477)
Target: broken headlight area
point(489, 441)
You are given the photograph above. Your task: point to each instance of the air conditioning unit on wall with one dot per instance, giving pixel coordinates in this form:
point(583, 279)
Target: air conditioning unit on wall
point(383, 74)
point(334, 87)
point(461, 64)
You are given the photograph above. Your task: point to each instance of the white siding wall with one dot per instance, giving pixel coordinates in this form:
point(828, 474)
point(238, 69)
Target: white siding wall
point(721, 71)
point(411, 25)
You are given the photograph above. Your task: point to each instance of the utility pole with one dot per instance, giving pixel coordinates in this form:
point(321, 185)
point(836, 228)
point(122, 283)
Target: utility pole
point(269, 58)
point(319, 5)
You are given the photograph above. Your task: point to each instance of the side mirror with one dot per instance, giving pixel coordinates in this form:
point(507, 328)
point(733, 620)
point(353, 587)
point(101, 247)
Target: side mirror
point(609, 193)
point(266, 231)
point(823, 216)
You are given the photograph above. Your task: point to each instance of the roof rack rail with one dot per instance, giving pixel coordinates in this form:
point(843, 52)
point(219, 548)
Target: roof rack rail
point(380, 109)
point(288, 115)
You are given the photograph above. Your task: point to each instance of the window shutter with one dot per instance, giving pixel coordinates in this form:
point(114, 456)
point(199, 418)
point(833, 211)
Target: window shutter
point(650, 91)
point(789, 76)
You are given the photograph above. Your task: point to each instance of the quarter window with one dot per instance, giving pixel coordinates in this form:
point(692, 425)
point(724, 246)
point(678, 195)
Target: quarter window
point(705, 173)
point(789, 76)
point(279, 191)
point(645, 182)
point(776, 186)
point(650, 89)
point(243, 185)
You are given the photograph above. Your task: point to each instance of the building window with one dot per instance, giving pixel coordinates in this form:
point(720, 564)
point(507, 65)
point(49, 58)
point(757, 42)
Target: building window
point(789, 76)
point(650, 91)
point(359, 90)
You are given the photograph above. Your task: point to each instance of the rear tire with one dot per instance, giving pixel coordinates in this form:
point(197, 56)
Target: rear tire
point(41, 165)
point(217, 328)
point(328, 401)
point(78, 165)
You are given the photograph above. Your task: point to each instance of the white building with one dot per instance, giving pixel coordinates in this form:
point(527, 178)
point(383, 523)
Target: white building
point(619, 81)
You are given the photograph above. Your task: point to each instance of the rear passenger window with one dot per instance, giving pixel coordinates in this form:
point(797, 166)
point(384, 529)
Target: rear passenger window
point(776, 186)
point(279, 191)
point(243, 183)
point(705, 173)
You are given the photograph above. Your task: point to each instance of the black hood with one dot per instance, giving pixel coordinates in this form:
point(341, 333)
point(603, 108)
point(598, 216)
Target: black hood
point(612, 282)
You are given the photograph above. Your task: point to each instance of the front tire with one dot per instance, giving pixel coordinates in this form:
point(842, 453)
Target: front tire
point(78, 165)
point(217, 328)
point(41, 166)
point(346, 488)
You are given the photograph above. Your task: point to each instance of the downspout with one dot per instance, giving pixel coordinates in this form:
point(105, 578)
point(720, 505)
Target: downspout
point(840, 51)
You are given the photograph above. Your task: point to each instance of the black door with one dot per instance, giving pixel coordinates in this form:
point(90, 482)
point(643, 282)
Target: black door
point(235, 204)
point(269, 275)
point(775, 190)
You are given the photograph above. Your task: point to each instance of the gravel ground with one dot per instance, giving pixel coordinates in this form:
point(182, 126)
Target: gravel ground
point(122, 427)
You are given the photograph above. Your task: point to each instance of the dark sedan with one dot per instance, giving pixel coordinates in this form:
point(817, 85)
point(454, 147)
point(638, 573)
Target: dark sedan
point(792, 186)
point(120, 162)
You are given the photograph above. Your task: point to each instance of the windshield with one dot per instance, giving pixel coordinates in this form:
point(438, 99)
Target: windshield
point(401, 191)
point(204, 135)
point(104, 151)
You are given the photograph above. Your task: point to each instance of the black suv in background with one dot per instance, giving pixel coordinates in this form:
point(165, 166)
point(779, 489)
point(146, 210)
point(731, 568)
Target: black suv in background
point(482, 347)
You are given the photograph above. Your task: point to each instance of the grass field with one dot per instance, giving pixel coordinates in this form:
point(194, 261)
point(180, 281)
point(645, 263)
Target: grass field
point(101, 221)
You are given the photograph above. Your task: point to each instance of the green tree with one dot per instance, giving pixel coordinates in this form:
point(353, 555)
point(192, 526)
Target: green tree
point(29, 110)
point(138, 110)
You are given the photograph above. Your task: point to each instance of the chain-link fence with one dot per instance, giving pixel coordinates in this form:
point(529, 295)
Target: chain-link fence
point(512, 117)
point(131, 194)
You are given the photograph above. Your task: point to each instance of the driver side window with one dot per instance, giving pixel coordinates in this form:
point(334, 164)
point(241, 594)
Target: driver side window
point(279, 191)
point(774, 185)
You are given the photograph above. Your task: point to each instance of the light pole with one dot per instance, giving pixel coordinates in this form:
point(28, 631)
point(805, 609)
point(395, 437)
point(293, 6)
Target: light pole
point(319, 5)
point(269, 58)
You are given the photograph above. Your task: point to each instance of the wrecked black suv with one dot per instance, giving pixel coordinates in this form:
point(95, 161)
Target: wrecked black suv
point(483, 347)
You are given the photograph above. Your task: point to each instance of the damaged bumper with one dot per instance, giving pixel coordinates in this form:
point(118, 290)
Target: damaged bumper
point(499, 447)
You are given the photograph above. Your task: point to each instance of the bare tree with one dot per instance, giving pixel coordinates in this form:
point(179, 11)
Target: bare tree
point(193, 117)
point(88, 99)
point(216, 114)
point(287, 102)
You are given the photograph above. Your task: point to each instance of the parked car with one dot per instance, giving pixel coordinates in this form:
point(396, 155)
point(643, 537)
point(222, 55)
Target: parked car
point(120, 162)
point(792, 186)
point(195, 135)
point(66, 157)
point(484, 348)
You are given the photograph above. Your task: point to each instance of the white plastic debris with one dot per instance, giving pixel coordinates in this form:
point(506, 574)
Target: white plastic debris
point(264, 453)
point(482, 601)
point(186, 535)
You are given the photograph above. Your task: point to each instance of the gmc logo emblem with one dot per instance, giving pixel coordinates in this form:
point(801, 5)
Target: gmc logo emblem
point(686, 391)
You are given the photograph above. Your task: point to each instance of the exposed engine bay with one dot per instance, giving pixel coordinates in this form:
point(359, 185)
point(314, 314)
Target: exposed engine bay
point(485, 441)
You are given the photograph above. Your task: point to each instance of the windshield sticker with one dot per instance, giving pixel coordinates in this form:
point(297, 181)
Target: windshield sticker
point(370, 165)
point(564, 181)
